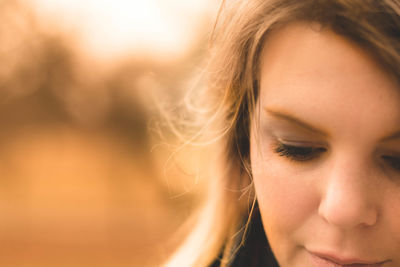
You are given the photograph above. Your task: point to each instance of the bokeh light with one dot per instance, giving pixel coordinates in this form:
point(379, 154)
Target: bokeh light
point(110, 28)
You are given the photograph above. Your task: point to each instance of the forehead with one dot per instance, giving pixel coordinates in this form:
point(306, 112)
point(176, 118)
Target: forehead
point(326, 79)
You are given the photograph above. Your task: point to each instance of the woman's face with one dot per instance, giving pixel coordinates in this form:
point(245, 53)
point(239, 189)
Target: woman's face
point(325, 152)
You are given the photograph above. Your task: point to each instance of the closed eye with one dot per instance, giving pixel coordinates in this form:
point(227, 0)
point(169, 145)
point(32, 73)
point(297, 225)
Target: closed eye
point(299, 153)
point(392, 161)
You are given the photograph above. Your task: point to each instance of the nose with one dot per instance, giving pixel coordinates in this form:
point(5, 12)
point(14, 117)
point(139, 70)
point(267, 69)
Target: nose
point(348, 196)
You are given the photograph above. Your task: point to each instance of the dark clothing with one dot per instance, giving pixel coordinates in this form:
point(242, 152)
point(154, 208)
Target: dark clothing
point(256, 251)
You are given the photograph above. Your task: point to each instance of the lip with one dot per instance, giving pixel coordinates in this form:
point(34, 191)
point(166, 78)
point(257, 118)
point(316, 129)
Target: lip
point(330, 260)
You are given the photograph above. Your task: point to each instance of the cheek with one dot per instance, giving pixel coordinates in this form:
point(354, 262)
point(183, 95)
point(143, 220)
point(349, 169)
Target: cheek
point(392, 218)
point(287, 199)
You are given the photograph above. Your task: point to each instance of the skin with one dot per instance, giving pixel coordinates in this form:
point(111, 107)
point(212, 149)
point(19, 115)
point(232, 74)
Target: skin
point(325, 92)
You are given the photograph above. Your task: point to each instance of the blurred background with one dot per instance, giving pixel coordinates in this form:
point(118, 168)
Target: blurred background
point(84, 172)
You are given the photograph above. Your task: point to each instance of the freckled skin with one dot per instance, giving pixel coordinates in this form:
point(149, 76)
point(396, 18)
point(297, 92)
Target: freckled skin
point(345, 201)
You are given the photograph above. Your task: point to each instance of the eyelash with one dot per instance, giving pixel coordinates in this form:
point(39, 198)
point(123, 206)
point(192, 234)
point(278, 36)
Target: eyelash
point(307, 153)
point(393, 162)
point(298, 153)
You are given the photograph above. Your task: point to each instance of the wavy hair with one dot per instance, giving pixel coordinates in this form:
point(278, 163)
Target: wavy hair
point(228, 101)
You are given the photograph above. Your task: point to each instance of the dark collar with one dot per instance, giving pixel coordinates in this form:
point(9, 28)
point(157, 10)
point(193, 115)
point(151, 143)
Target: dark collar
point(256, 251)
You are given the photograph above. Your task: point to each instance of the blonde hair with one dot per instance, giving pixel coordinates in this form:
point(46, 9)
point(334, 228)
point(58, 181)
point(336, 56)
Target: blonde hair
point(230, 97)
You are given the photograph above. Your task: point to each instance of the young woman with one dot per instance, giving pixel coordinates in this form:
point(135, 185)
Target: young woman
point(304, 105)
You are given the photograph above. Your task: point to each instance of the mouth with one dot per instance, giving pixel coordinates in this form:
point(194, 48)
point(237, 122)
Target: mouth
point(330, 260)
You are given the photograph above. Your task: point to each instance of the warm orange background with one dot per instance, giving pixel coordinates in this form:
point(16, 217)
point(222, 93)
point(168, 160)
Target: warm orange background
point(83, 174)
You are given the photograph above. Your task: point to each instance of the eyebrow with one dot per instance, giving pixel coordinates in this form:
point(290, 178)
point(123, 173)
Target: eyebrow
point(391, 137)
point(294, 120)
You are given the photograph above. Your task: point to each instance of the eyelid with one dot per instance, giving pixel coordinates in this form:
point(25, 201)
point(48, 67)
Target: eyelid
point(382, 153)
point(293, 120)
point(392, 161)
point(389, 152)
point(292, 142)
point(298, 153)
point(289, 131)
